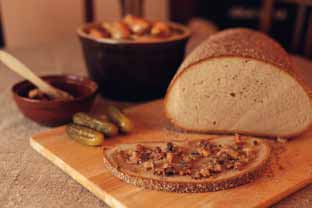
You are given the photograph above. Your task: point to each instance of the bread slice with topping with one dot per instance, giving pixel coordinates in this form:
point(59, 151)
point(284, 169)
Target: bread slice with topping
point(189, 166)
point(239, 81)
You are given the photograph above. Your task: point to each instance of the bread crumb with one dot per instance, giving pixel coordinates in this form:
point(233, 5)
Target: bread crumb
point(281, 140)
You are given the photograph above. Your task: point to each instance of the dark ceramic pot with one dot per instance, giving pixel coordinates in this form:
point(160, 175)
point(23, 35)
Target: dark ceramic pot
point(56, 112)
point(133, 71)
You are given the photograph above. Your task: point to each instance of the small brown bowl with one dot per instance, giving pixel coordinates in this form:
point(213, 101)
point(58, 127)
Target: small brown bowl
point(56, 112)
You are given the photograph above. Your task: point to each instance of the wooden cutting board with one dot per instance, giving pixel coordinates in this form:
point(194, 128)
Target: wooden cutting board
point(290, 167)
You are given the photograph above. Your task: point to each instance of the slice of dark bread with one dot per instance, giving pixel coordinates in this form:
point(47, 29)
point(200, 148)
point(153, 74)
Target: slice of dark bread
point(136, 173)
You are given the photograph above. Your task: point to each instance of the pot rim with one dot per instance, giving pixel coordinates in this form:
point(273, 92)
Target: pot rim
point(184, 36)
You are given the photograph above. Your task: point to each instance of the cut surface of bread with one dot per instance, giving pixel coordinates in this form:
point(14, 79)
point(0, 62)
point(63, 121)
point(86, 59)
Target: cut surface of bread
point(239, 81)
point(189, 166)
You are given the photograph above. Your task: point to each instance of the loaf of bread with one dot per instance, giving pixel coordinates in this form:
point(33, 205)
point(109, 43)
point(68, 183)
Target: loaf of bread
point(239, 81)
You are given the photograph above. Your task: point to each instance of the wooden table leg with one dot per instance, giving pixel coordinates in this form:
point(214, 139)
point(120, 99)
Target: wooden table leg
point(89, 10)
point(308, 43)
point(301, 13)
point(266, 15)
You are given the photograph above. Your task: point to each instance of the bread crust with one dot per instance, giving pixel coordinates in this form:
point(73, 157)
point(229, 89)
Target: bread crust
point(245, 43)
point(190, 187)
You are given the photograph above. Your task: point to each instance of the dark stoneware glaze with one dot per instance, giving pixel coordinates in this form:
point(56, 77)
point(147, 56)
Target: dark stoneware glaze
point(56, 112)
point(133, 71)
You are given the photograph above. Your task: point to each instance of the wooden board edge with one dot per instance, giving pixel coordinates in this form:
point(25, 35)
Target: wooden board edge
point(96, 190)
point(287, 193)
point(47, 131)
point(140, 105)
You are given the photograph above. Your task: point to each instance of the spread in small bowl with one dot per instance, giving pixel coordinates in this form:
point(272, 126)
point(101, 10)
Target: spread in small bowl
point(42, 109)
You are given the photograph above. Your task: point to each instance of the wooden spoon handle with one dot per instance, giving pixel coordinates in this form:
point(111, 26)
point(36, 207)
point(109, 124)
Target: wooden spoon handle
point(15, 65)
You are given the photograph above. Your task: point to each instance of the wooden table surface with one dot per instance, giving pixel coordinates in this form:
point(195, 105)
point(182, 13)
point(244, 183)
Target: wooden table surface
point(30, 181)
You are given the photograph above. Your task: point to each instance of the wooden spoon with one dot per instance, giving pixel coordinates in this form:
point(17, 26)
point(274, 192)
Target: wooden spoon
point(18, 67)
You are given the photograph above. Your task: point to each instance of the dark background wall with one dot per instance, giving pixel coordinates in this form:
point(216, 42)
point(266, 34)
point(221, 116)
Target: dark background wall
point(245, 13)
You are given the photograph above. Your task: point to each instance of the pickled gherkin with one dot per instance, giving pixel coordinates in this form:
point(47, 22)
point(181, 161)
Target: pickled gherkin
point(84, 135)
point(107, 128)
point(120, 119)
